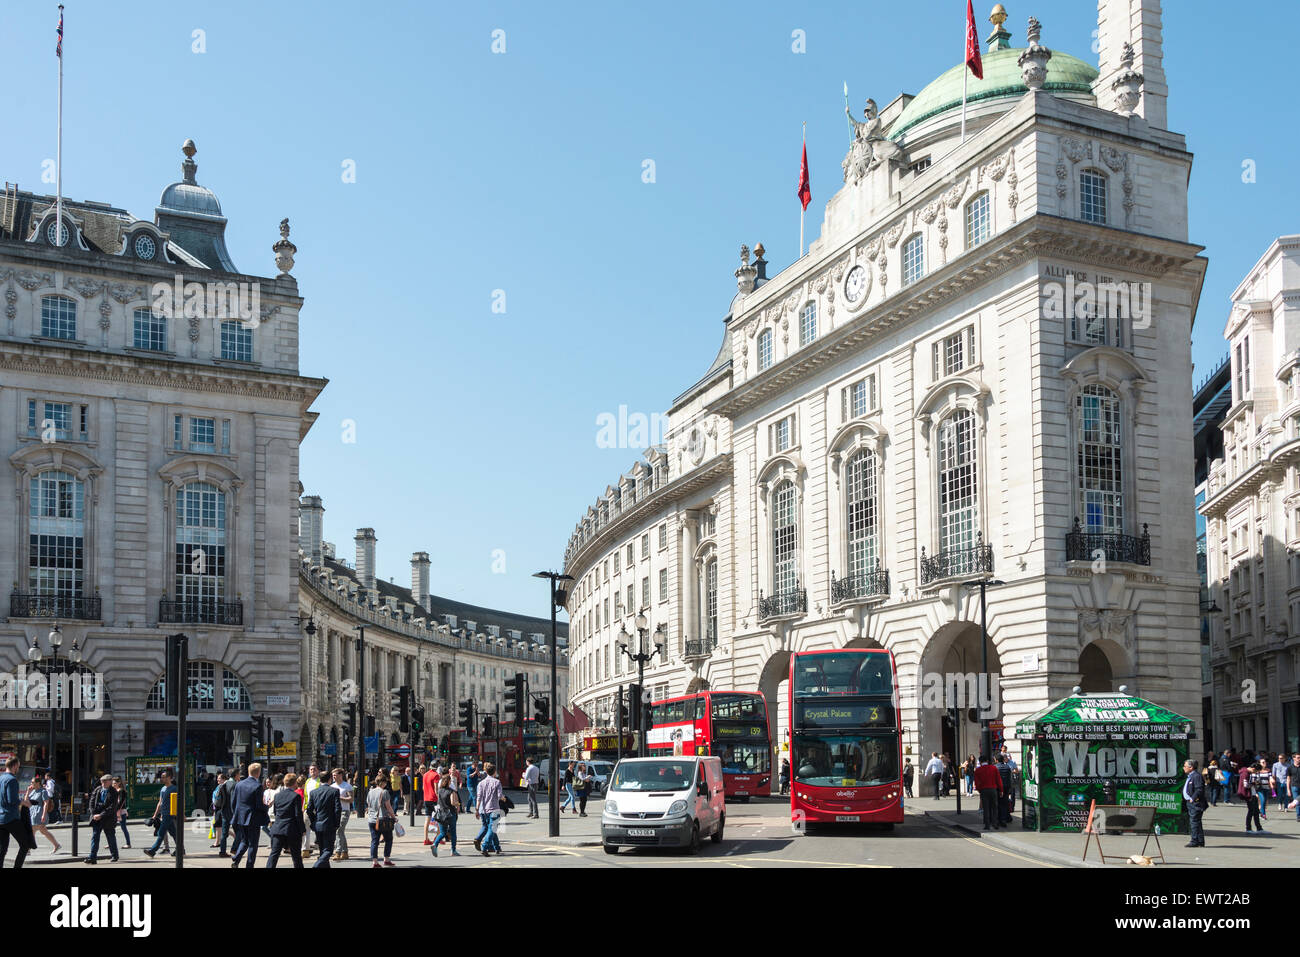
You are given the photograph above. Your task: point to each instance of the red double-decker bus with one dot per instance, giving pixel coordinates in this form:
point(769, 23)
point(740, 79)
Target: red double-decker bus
point(729, 724)
point(846, 746)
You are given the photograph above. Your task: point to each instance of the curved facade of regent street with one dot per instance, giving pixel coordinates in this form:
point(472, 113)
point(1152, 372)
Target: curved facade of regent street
point(979, 372)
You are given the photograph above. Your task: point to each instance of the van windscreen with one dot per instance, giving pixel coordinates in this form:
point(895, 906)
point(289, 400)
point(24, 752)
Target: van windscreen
point(653, 776)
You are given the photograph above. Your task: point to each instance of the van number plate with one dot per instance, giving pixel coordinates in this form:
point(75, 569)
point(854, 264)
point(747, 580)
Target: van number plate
point(640, 832)
point(848, 817)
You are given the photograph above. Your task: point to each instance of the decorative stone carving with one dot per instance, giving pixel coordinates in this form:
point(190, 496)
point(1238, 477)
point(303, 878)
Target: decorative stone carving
point(284, 251)
point(930, 212)
point(1127, 86)
point(1013, 198)
point(1033, 61)
point(124, 292)
point(954, 195)
point(1113, 158)
point(1076, 150)
point(85, 287)
point(31, 281)
point(746, 272)
point(895, 233)
point(997, 168)
point(1062, 176)
point(105, 311)
point(1107, 623)
point(870, 148)
point(943, 234)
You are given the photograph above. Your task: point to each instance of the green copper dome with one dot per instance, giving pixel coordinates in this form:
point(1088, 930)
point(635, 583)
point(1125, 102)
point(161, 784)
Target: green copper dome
point(1065, 74)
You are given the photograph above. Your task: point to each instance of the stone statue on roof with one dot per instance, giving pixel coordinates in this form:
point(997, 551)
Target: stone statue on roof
point(870, 147)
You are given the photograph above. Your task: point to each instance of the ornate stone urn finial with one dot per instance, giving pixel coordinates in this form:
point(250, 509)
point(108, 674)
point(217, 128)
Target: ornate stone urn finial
point(746, 274)
point(284, 251)
point(1127, 86)
point(188, 166)
point(1033, 61)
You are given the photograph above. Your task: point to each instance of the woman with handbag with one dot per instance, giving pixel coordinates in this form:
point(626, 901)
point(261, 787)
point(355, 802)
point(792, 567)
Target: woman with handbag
point(583, 782)
point(381, 819)
point(40, 801)
point(445, 812)
point(120, 788)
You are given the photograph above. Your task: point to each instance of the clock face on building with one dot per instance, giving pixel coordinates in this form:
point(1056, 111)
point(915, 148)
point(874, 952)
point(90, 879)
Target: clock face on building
point(855, 284)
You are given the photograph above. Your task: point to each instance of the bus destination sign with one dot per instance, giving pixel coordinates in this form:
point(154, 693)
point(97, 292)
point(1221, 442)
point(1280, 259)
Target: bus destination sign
point(822, 715)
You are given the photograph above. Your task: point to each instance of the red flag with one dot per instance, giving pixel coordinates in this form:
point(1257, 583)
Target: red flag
point(581, 720)
point(805, 191)
point(973, 44)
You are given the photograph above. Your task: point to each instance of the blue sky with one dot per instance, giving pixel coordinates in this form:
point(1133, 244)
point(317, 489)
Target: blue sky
point(522, 172)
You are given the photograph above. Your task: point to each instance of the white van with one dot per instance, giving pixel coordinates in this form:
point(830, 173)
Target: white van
point(664, 802)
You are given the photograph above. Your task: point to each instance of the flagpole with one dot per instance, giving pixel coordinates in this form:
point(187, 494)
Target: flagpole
point(801, 206)
point(58, 160)
point(965, 75)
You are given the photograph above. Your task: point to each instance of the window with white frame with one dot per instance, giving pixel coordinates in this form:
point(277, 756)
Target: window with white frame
point(807, 323)
point(200, 433)
point(1099, 471)
point(631, 599)
point(150, 331)
point(617, 557)
point(236, 341)
point(958, 482)
point(953, 353)
point(57, 421)
point(663, 536)
point(58, 317)
point(913, 259)
point(56, 535)
point(645, 545)
point(858, 398)
point(663, 584)
point(860, 512)
point(645, 592)
point(781, 434)
point(764, 350)
point(200, 562)
point(1092, 197)
point(1097, 323)
point(631, 556)
point(1243, 368)
point(711, 600)
point(977, 220)
point(785, 539)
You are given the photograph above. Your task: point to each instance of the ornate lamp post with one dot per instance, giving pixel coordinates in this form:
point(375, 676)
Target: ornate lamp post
point(643, 654)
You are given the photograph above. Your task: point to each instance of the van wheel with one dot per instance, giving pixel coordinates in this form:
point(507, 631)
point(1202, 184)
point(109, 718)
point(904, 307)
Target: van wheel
point(716, 836)
point(695, 838)
point(610, 848)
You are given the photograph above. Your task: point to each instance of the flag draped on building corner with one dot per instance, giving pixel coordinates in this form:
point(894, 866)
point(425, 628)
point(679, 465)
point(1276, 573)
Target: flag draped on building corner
point(805, 190)
point(973, 44)
point(580, 720)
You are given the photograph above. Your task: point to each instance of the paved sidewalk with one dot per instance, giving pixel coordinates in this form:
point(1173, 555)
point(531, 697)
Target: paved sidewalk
point(1228, 844)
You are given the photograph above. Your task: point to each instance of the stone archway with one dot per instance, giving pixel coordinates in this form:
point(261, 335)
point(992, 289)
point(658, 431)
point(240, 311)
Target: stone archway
point(774, 683)
point(1103, 664)
point(951, 674)
point(697, 684)
point(863, 641)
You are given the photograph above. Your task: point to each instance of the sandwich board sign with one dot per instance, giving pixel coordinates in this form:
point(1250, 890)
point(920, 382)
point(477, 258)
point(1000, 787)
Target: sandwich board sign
point(1111, 749)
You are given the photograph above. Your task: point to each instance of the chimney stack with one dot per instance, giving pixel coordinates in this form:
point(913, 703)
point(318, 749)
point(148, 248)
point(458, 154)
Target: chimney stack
point(365, 539)
point(311, 528)
point(420, 578)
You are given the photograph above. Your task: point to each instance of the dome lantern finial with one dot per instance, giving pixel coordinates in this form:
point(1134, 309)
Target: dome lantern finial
point(1000, 38)
point(188, 166)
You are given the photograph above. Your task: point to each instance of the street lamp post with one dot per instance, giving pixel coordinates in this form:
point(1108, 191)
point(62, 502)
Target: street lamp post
point(986, 736)
point(361, 700)
point(53, 686)
point(643, 654)
point(558, 598)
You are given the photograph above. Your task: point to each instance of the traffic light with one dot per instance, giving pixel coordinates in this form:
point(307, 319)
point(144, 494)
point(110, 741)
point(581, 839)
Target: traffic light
point(399, 707)
point(541, 709)
point(350, 719)
point(417, 720)
point(624, 715)
point(514, 709)
point(634, 707)
point(487, 725)
point(370, 726)
point(467, 715)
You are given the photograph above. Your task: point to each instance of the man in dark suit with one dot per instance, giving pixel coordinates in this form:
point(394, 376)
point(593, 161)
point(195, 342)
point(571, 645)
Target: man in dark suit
point(1194, 795)
point(287, 831)
point(324, 811)
point(250, 815)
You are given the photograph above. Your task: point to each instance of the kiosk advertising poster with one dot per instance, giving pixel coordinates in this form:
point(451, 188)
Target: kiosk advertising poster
point(1108, 748)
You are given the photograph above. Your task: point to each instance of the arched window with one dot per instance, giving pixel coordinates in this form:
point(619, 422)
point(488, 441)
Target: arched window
point(56, 535)
point(860, 513)
point(958, 482)
point(807, 323)
point(58, 317)
point(711, 601)
point(150, 330)
point(1092, 196)
point(764, 350)
point(977, 220)
point(1099, 468)
point(785, 539)
point(201, 551)
point(913, 259)
point(202, 690)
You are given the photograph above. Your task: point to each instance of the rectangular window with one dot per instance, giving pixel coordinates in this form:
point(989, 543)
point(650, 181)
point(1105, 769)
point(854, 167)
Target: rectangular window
point(150, 331)
point(225, 436)
point(631, 599)
point(913, 259)
point(618, 604)
point(58, 318)
point(954, 353)
point(663, 536)
point(764, 350)
point(1092, 197)
point(236, 341)
point(808, 324)
point(977, 220)
point(203, 434)
point(645, 545)
point(617, 557)
point(663, 584)
point(920, 166)
point(631, 557)
point(780, 434)
point(858, 398)
point(645, 592)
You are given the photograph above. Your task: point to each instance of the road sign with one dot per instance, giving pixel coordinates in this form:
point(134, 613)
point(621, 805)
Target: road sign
point(402, 750)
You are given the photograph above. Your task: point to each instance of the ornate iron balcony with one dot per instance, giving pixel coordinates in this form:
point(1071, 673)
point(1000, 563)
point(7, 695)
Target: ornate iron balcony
point(955, 562)
point(23, 605)
point(792, 602)
point(699, 647)
point(871, 584)
point(200, 612)
point(1081, 546)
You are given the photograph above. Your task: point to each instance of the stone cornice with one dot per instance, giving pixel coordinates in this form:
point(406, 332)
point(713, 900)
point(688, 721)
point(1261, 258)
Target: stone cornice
point(1249, 482)
point(674, 491)
point(56, 361)
point(1041, 236)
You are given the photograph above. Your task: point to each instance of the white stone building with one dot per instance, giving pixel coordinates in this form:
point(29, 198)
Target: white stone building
point(1252, 512)
point(153, 456)
point(908, 409)
point(444, 650)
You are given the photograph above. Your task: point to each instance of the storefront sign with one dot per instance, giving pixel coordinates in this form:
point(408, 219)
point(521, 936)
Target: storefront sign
point(608, 743)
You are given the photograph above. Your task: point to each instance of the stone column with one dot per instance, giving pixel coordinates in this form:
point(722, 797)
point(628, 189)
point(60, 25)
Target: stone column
point(690, 579)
